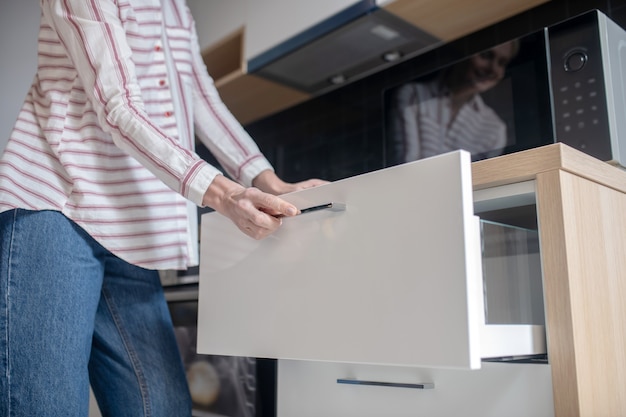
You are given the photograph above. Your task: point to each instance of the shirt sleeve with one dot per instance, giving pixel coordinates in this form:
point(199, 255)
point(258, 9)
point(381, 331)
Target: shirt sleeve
point(218, 129)
point(95, 41)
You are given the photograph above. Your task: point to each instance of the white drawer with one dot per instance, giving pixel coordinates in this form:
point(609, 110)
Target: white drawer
point(310, 389)
point(395, 278)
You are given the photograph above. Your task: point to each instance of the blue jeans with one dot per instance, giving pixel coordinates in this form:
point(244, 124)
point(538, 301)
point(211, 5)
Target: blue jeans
point(72, 313)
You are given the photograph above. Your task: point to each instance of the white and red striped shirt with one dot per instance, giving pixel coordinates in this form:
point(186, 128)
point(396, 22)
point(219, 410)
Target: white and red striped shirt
point(106, 133)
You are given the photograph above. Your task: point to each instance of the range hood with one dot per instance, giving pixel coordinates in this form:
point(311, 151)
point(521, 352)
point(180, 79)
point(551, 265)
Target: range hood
point(356, 42)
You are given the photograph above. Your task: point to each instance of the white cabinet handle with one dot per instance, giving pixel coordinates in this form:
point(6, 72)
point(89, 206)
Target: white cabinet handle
point(425, 385)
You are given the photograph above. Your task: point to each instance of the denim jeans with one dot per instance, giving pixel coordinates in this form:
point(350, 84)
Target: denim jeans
point(72, 313)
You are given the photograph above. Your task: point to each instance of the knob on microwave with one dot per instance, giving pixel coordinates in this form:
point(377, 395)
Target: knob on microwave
point(575, 61)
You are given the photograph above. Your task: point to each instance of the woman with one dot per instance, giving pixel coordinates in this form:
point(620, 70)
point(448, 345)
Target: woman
point(99, 185)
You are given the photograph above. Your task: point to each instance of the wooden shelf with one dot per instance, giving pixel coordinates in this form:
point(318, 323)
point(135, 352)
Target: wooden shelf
point(452, 19)
point(247, 96)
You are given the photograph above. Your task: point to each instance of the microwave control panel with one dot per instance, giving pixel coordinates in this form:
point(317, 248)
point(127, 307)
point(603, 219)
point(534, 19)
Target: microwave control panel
point(578, 79)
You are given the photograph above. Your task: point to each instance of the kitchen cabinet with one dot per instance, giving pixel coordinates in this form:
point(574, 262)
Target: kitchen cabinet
point(265, 25)
point(231, 33)
point(312, 389)
point(389, 279)
point(221, 27)
point(580, 210)
point(235, 32)
point(579, 203)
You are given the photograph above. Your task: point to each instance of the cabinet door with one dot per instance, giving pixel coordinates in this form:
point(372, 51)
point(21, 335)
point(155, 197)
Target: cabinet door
point(395, 278)
point(312, 389)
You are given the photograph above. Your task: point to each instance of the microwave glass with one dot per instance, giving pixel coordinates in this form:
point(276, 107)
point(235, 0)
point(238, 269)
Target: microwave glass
point(491, 103)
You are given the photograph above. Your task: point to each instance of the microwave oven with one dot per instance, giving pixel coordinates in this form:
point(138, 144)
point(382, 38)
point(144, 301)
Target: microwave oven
point(564, 83)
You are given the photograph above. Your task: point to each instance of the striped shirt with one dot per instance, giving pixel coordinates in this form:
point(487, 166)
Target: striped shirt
point(422, 124)
point(106, 133)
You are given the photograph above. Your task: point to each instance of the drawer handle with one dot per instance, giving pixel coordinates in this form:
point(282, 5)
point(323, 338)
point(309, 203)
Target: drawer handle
point(425, 385)
point(326, 206)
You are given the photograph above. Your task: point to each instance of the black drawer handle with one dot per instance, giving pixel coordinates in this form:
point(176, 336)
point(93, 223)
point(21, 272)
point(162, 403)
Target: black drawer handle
point(326, 206)
point(425, 385)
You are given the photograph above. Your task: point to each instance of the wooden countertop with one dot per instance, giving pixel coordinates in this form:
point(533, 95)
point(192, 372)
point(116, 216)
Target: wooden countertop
point(525, 165)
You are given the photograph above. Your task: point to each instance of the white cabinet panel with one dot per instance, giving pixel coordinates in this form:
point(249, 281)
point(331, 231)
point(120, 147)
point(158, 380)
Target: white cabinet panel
point(310, 389)
point(393, 279)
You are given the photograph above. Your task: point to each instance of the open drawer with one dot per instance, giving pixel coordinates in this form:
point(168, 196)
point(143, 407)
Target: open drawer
point(393, 277)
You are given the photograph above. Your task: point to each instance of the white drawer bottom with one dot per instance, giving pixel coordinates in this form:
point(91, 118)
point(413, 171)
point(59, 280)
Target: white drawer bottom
point(498, 389)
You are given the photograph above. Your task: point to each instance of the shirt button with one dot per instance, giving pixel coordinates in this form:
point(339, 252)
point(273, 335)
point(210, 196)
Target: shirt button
point(161, 83)
point(157, 48)
point(168, 114)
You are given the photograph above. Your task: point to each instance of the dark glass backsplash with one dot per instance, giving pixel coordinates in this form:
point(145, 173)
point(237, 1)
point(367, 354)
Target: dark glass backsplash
point(341, 133)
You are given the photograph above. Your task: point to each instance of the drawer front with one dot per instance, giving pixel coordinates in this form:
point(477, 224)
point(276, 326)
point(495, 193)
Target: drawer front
point(395, 278)
point(310, 389)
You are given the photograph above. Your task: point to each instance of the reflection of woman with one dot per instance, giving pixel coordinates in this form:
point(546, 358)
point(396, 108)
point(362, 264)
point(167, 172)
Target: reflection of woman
point(447, 113)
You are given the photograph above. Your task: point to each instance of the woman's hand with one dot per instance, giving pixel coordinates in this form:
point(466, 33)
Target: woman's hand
point(256, 213)
point(269, 182)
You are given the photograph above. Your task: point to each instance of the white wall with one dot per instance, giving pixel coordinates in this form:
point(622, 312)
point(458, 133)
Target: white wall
point(19, 24)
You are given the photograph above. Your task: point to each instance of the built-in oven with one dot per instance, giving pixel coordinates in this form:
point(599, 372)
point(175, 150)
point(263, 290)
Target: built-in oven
point(220, 386)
